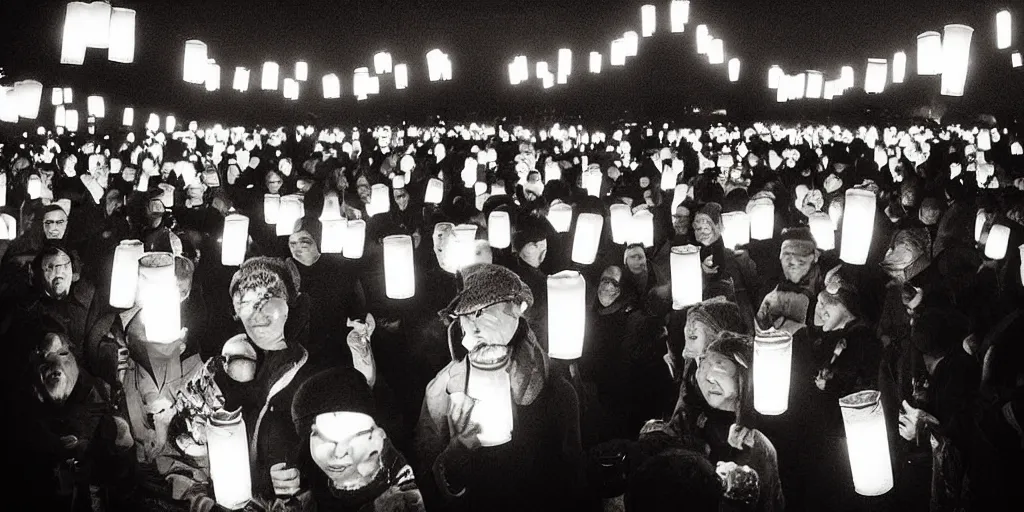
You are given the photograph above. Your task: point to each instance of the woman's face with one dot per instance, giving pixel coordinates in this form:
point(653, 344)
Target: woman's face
point(830, 315)
point(697, 338)
point(718, 380)
point(347, 447)
point(704, 230)
point(274, 183)
point(534, 253)
point(263, 316)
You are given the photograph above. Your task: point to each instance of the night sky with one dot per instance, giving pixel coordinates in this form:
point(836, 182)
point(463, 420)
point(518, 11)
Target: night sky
point(665, 80)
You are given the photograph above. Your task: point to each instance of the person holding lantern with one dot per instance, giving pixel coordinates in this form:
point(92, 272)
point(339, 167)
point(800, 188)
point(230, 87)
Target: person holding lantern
point(790, 304)
point(725, 271)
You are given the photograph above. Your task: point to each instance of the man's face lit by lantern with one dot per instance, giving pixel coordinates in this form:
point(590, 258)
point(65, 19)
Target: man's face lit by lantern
point(681, 220)
point(57, 274)
point(488, 331)
point(401, 198)
point(705, 230)
point(347, 447)
point(55, 223)
point(303, 248)
point(636, 260)
point(263, 315)
point(56, 368)
point(610, 288)
point(534, 253)
point(796, 262)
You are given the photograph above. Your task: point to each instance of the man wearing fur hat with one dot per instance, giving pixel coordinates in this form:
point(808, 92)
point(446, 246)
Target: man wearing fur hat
point(538, 469)
point(790, 305)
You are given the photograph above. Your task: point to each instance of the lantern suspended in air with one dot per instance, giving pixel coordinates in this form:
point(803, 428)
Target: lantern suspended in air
point(439, 66)
point(567, 292)
point(28, 95)
point(595, 62)
point(679, 14)
point(815, 85)
point(564, 64)
point(196, 61)
point(956, 56)
point(560, 217)
point(773, 361)
point(899, 67)
point(642, 229)
point(858, 226)
point(617, 55)
point(241, 81)
point(159, 297)
point(687, 276)
point(867, 442)
point(301, 71)
point(774, 77)
point(998, 240)
point(212, 76)
point(122, 36)
point(846, 77)
point(822, 230)
point(128, 118)
point(124, 275)
point(98, 25)
point(57, 96)
point(491, 392)
point(621, 221)
point(170, 123)
point(289, 212)
point(716, 51)
point(95, 106)
point(762, 220)
point(401, 76)
point(355, 239)
point(270, 76)
point(499, 229)
point(332, 87)
point(382, 63)
point(587, 237)
point(735, 229)
point(228, 450)
point(929, 53)
point(399, 275)
point(333, 234)
point(291, 89)
point(380, 200)
point(632, 43)
point(71, 120)
point(75, 37)
point(875, 76)
point(703, 36)
point(734, 69)
point(648, 17)
point(1004, 30)
point(435, 191)
point(235, 240)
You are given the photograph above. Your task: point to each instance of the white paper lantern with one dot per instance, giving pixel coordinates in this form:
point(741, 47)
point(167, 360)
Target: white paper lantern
point(560, 217)
point(1015, 60)
point(301, 71)
point(271, 208)
point(774, 77)
point(380, 200)
point(499, 230)
point(332, 87)
point(235, 240)
point(642, 231)
point(587, 238)
point(128, 118)
point(96, 107)
point(228, 449)
point(703, 36)
point(269, 80)
point(438, 65)
point(858, 226)
point(592, 181)
point(373, 85)
point(822, 230)
point(679, 14)
point(998, 240)
point(463, 245)
point(687, 276)
point(735, 229)
point(289, 212)
point(241, 81)
point(929, 53)
point(762, 220)
point(153, 123)
point(632, 43)
point(159, 297)
point(361, 83)
point(71, 120)
point(648, 17)
point(567, 292)
point(57, 96)
point(564, 64)
point(143, 184)
point(399, 274)
point(491, 391)
point(435, 191)
point(122, 36)
point(124, 275)
point(98, 33)
point(1004, 29)
point(291, 89)
point(355, 239)
point(734, 69)
point(798, 86)
point(382, 63)
point(679, 195)
point(401, 76)
point(595, 62)
point(875, 76)
point(899, 67)
point(8, 227)
point(716, 51)
point(68, 95)
point(170, 123)
point(867, 442)
point(617, 55)
point(956, 56)
point(212, 76)
point(773, 361)
point(333, 235)
point(29, 96)
point(621, 221)
point(196, 61)
point(75, 37)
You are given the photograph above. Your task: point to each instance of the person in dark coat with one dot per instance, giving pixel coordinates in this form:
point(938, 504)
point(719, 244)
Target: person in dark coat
point(790, 306)
point(57, 295)
point(530, 241)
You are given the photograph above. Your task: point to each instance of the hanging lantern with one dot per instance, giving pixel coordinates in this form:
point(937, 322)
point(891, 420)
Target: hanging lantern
point(822, 230)
point(773, 361)
point(241, 81)
point(98, 33)
point(28, 96)
point(617, 56)
point(687, 277)
point(463, 244)
point(846, 77)
point(382, 63)
point(929, 53)
point(815, 84)
point(587, 237)
point(734, 69)
point(291, 89)
point(332, 87)
point(270, 76)
point(380, 200)
point(998, 240)
point(75, 37)
point(703, 36)
point(159, 297)
point(491, 391)
point(567, 292)
point(1004, 30)
point(632, 43)
point(595, 62)
point(355, 239)
point(289, 212)
point(228, 450)
point(735, 229)
point(128, 118)
point(867, 442)
point(435, 191)
point(642, 231)
point(1015, 60)
point(679, 14)
point(899, 67)
point(499, 230)
point(399, 275)
point(68, 95)
point(956, 56)
point(858, 226)
point(170, 123)
point(122, 36)
point(875, 75)
point(301, 71)
point(774, 77)
point(361, 83)
point(95, 106)
point(8, 227)
point(560, 217)
point(271, 208)
point(401, 76)
point(235, 240)
point(437, 65)
point(798, 86)
point(196, 61)
point(648, 17)
point(564, 64)
point(621, 220)
point(124, 275)
point(716, 51)
point(333, 235)
point(762, 220)
point(212, 76)
point(153, 123)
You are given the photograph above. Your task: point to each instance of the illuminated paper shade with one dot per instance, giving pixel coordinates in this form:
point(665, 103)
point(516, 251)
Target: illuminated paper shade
point(382, 63)
point(734, 69)
point(595, 62)
point(228, 450)
point(632, 42)
point(560, 217)
point(642, 230)
point(687, 276)
point(774, 77)
point(143, 184)
point(235, 240)
point(241, 81)
point(617, 55)
point(8, 227)
point(773, 362)
point(716, 51)
point(124, 275)
point(499, 230)
point(587, 238)
point(28, 96)
point(122, 36)
point(822, 230)
point(648, 20)
point(212, 76)
point(762, 220)
point(867, 442)
point(1015, 60)
point(679, 14)
point(98, 33)
point(679, 195)
point(76, 28)
point(567, 292)
point(401, 76)
point(128, 118)
point(268, 82)
point(435, 191)
point(291, 89)
point(463, 244)
point(899, 67)
point(170, 123)
point(333, 235)
point(57, 96)
point(998, 240)
point(355, 239)
point(956, 56)
point(301, 71)
point(196, 61)
point(271, 208)
point(875, 76)
point(290, 211)
point(361, 83)
point(735, 229)
point(158, 296)
point(858, 226)
point(929, 53)
point(592, 181)
point(332, 87)
point(95, 106)
point(469, 172)
point(491, 391)
point(1004, 29)
point(380, 200)
point(703, 36)
point(621, 220)
point(34, 187)
point(815, 85)
point(399, 275)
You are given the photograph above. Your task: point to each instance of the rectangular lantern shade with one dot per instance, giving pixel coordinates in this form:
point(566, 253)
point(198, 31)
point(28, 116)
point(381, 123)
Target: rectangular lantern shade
point(122, 36)
point(268, 81)
point(382, 63)
point(642, 230)
point(333, 234)
point(679, 14)
point(1004, 30)
point(380, 200)
point(241, 81)
point(401, 76)
point(124, 275)
point(1015, 60)
point(170, 123)
point(734, 69)
point(332, 87)
point(212, 76)
point(592, 181)
point(57, 96)
point(587, 237)
point(798, 86)
point(621, 221)
point(291, 89)
point(998, 240)
point(773, 362)
point(435, 191)
point(687, 277)
point(648, 20)
point(846, 77)
point(271, 208)
point(76, 27)
point(867, 442)
point(195, 61)
point(439, 66)
point(929, 53)
point(235, 240)
point(875, 76)
point(899, 67)
point(27, 96)
point(68, 95)
point(567, 292)
point(355, 239)
point(858, 226)
point(499, 230)
point(632, 43)
point(618, 53)
point(703, 36)
point(228, 449)
point(159, 298)
point(373, 85)
point(716, 51)
point(815, 84)
point(98, 34)
point(128, 118)
point(822, 230)
point(595, 62)
point(95, 106)
point(361, 83)
point(289, 211)
point(71, 120)
point(301, 71)
point(564, 62)
point(774, 77)
point(399, 275)
point(956, 56)
point(492, 409)
point(560, 217)
point(735, 229)
point(762, 220)
point(463, 244)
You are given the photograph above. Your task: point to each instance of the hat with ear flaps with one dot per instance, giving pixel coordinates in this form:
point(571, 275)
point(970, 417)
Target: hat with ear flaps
point(739, 348)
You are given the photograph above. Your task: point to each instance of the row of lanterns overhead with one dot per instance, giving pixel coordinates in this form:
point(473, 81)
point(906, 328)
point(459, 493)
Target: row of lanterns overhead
point(100, 26)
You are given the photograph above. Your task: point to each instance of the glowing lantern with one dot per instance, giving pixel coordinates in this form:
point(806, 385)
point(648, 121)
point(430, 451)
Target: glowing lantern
point(463, 244)
point(301, 71)
point(212, 76)
point(196, 61)
point(153, 123)
point(846, 77)
point(703, 39)
point(380, 200)
point(734, 69)
point(618, 53)
point(333, 235)
point(68, 95)
point(271, 208)
point(355, 239)
point(435, 191)
point(595, 62)
point(687, 276)
point(124, 275)
point(291, 89)
point(587, 238)
point(774, 77)
point(241, 81)
point(1015, 60)
point(8, 227)
point(592, 181)
point(28, 96)
point(560, 217)
point(143, 184)
point(642, 231)
point(632, 43)
point(621, 221)
point(57, 96)
point(867, 442)
point(875, 75)
point(899, 67)
point(491, 391)
point(679, 13)
point(499, 230)
point(716, 51)
point(822, 230)
point(235, 240)
point(858, 226)
point(399, 275)
point(128, 118)
point(956, 56)
point(564, 64)
point(798, 86)
point(122, 36)
point(98, 20)
point(96, 107)
point(773, 361)
point(382, 63)
point(735, 229)
point(566, 313)
point(815, 84)
point(762, 220)
point(332, 87)
point(648, 17)
point(71, 120)
point(228, 449)
point(373, 85)
point(269, 80)
point(439, 66)
point(290, 211)
point(670, 175)
point(984, 140)
point(75, 37)
point(1004, 33)
point(469, 172)
point(929, 53)
point(170, 123)
point(998, 240)
point(159, 297)
point(401, 76)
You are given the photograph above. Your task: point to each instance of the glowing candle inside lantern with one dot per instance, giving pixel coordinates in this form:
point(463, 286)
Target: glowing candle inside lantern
point(687, 277)
point(560, 217)
point(762, 220)
point(679, 14)
point(587, 238)
point(929, 53)
point(196, 61)
point(159, 298)
point(124, 275)
point(875, 76)
point(648, 17)
point(435, 191)
point(998, 240)
point(228, 449)
point(235, 240)
point(899, 67)
point(642, 231)
point(499, 229)
point(399, 275)
point(822, 230)
point(122, 36)
point(380, 200)
point(867, 442)
point(355, 239)
point(289, 212)
point(621, 220)
point(269, 80)
point(735, 229)
point(491, 391)
point(567, 292)
point(1004, 30)
point(858, 226)
point(773, 360)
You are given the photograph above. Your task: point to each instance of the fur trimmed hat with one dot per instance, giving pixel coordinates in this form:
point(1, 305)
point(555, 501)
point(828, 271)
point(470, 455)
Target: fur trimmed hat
point(798, 240)
point(486, 284)
point(718, 314)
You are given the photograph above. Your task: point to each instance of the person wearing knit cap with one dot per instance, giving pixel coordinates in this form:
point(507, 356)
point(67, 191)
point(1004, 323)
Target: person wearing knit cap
point(791, 303)
point(537, 468)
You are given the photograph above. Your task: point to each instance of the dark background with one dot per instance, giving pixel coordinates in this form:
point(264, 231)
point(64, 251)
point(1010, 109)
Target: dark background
point(667, 79)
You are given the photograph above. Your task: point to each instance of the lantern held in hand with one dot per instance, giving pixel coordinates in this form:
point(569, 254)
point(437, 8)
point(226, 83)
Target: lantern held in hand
point(735, 229)
point(858, 226)
point(587, 238)
point(235, 240)
point(566, 313)
point(399, 274)
point(560, 217)
point(124, 276)
point(355, 239)
point(621, 221)
point(998, 240)
point(867, 442)
point(492, 392)
point(687, 277)
point(228, 450)
point(159, 297)
point(499, 229)
point(773, 361)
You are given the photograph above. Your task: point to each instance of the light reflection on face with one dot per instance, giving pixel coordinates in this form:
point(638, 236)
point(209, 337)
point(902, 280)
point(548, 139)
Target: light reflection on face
point(488, 332)
point(718, 380)
point(697, 339)
point(263, 316)
point(57, 274)
point(347, 447)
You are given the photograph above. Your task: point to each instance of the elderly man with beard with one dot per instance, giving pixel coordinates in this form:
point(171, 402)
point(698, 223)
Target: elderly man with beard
point(57, 295)
point(540, 467)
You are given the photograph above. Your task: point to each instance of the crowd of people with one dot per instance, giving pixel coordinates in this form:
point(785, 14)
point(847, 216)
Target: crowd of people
point(356, 401)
